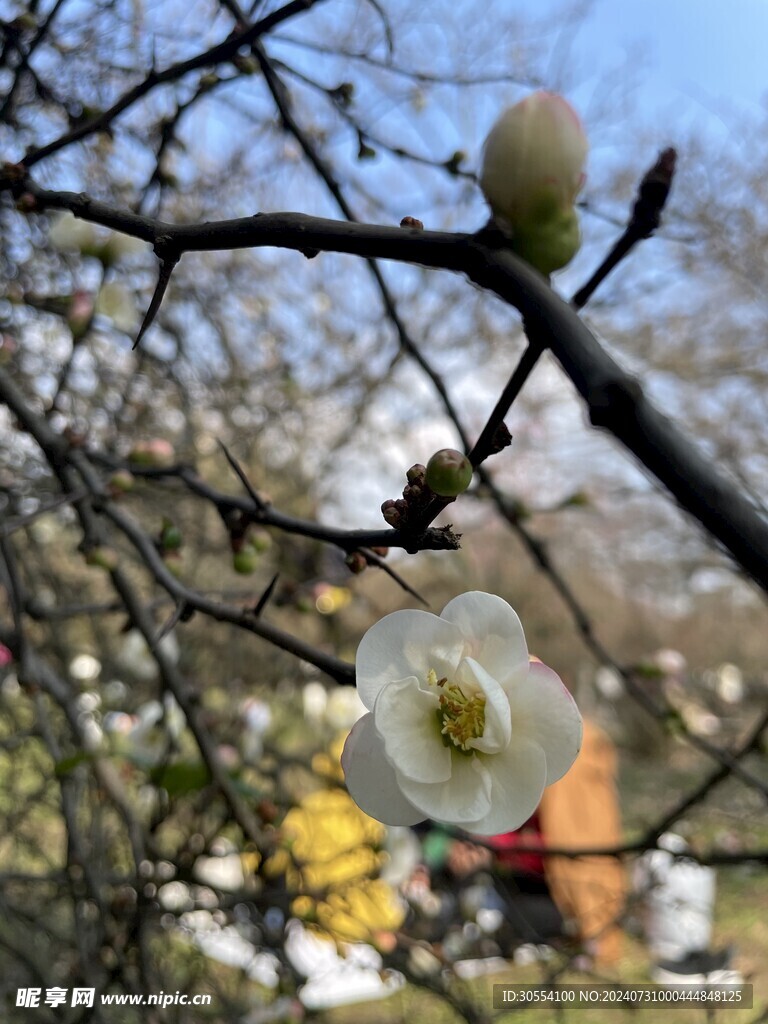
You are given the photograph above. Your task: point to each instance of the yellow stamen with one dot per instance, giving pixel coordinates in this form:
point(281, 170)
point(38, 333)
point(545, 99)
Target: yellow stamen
point(461, 718)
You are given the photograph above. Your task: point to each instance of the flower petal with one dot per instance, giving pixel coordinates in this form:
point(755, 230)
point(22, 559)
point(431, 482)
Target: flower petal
point(498, 722)
point(543, 710)
point(466, 797)
point(492, 634)
point(371, 779)
point(405, 643)
point(406, 720)
point(517, 777)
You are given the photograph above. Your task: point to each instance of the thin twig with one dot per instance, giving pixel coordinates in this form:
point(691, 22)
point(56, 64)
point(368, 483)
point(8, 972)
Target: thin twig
point(258, 503)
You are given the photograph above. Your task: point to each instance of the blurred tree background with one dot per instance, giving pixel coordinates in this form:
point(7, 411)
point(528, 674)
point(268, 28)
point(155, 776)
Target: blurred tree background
point(182, 592)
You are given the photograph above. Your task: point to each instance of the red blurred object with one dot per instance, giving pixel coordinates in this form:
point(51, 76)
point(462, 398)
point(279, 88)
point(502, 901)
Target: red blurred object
point(506, 846)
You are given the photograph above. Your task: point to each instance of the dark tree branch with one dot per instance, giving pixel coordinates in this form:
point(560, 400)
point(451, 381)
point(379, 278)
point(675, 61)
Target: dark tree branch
point(614, 398)
point(485, 444)
point(215, 55)
point(23, 65)
point(168, 263)
point(65, 461)
point(264, 514)
point(646, 217)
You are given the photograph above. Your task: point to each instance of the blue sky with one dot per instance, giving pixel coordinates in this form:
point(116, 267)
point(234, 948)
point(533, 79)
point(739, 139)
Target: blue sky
point(703, 52)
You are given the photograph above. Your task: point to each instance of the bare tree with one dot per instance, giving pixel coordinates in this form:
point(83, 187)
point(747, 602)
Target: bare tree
point(151, 455)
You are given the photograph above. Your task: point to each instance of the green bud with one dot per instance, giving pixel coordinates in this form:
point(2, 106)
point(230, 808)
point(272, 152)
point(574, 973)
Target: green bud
point(448, 473)
point(121, 482)
point(260, 541)
point(245, 561)
point(24, 23)
point(174, 563)
point(549, 244)
point(579, 499)
point(533, 168)
point(674, 724)
point(170, 535)
point(453, 165)
point(103, 557)
point(344, 93)
point(247, 64)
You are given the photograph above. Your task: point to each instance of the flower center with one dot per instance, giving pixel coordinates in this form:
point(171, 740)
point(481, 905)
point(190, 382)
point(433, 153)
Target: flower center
point(461, 718)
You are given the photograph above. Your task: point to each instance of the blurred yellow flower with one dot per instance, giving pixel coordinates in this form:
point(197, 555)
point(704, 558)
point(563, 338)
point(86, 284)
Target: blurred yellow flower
point(328, 763)
point(346, 867)
point(279, 863)
point(304, 907)
point(250, 859)
point(357, 912)
point(326, 824)
point(329, 857)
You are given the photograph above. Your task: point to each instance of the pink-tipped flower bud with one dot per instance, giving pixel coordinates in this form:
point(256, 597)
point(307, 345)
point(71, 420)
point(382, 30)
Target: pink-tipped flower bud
point(80, 313)
point(533, 168)
point(8, 348)
point(391, 513)
point(448, 473)
point(156, 453)
point(26, 203)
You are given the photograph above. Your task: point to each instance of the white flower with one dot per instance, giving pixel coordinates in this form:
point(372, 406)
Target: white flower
point(257, 720)
point(70, 234)
point(115, 301)
point(533, 168)
point(462, 727)
point(314, 700)
point(120, 247)
point(344, 707)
